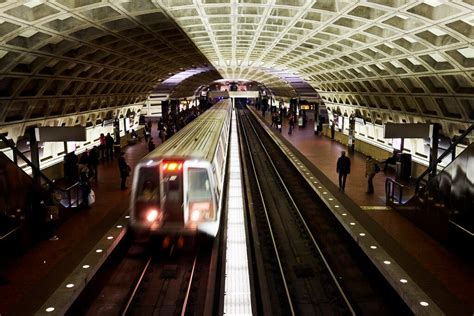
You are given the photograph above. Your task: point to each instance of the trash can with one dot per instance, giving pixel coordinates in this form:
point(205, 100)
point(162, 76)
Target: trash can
point(403, 171)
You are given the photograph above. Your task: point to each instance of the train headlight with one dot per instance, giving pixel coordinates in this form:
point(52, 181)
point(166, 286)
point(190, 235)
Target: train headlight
point(195, 215)
point(200, 211)
point(152, 215)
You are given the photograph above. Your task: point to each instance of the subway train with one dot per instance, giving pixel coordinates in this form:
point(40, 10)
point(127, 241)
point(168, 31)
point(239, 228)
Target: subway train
point(178, 188)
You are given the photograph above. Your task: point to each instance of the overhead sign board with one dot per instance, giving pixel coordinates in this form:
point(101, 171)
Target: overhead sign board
point(407, 130)
point(61, 134)
point(243, 94)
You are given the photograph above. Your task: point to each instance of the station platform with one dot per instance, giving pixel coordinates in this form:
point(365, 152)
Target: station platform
point(444, 272)
point(29, 279)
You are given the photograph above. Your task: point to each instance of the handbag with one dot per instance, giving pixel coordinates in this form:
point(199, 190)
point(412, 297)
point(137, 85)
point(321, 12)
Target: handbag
point(91, 197)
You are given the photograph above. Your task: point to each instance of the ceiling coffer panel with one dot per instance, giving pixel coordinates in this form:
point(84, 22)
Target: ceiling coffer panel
point(85, 51)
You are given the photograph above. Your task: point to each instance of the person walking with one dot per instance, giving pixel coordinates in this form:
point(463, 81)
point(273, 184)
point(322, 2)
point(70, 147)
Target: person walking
point(343, 168)
point(370, 174)
point(124, 170)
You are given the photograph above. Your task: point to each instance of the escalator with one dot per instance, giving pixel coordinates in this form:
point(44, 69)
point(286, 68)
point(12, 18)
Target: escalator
point(444, 205)
point(21, 217)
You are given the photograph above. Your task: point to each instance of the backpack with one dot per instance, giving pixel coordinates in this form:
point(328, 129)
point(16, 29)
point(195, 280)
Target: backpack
point(376, 168)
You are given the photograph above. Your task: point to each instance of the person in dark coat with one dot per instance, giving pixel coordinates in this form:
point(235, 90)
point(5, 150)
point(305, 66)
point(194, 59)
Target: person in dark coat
point(151, 145)
point(343, 169)
point(124, 169)
point(109, 147)
point(94, 162)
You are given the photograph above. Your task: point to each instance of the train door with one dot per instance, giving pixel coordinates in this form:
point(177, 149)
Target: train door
point(172, 175)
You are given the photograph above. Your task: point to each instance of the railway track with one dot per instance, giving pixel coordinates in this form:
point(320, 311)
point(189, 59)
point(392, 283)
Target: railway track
point(307, 258)
point(146, 279)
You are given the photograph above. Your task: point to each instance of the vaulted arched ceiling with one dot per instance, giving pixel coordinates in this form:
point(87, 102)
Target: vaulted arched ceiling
point(381, 57)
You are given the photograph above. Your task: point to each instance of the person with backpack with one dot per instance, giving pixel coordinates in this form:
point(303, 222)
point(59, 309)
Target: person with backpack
point(370, 171)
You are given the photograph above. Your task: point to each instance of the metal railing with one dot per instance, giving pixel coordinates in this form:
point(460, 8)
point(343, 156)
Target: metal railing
point(72, 194)
point(394, 191)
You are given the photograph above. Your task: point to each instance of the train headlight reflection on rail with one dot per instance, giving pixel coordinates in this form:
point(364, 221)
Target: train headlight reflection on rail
point(152, 215)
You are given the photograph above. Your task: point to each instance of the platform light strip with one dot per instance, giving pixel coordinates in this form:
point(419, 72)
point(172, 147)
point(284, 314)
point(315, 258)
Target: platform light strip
point(237, 297)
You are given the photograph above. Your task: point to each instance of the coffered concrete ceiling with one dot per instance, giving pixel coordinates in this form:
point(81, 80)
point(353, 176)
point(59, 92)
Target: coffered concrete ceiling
point(387, 59)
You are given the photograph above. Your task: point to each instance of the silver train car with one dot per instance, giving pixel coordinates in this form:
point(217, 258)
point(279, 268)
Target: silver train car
point(178, 187)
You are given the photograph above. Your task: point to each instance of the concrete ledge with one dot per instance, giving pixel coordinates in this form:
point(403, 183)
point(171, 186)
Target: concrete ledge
point(65, 295)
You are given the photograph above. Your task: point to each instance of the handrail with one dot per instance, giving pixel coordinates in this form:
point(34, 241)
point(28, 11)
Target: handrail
point(51, 183)
point(28, 162)
point(447, 152)
point(390, 189)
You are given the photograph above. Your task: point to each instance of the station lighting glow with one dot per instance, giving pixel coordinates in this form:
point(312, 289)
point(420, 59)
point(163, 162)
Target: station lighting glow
point(373, 247)
point(119, 226)
point(99, 250)
point(49, 309)
point(70, 285)
point(403, 281)
point(344, 214)
point(362, 234)
point(86, 266)
point(352, 223)
point(110, 237)
point(424, 303)
point(127, 216)
point(387, 262)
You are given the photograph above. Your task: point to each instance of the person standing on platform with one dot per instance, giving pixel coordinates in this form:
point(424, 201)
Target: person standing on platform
point(94, 162)
point(109, 147)
point(124, 170)
point(370, 174)
point(102, 146)
point(151, 145)
point(343, 168)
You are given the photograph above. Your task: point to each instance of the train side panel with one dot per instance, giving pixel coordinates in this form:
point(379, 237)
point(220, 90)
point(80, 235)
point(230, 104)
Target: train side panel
point(177, 189)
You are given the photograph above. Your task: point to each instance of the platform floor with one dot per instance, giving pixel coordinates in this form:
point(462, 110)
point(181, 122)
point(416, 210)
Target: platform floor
point(31, 278)
point(452, 271)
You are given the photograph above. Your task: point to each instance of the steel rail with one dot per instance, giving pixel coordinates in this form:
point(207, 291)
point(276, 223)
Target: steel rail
point(341, 291)
point(269, 224)
point(186, 298)
point(129, 302)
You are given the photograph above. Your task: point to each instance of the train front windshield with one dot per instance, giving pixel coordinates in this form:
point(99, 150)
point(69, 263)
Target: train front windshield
point(147, 198)
point(201, 203)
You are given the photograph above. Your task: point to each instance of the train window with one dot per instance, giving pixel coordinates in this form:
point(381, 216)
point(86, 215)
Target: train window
point(148, 188)
point(199, 185)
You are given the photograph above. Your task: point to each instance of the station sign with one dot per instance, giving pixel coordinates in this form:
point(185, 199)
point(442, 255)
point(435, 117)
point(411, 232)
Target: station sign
point(61, 134)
